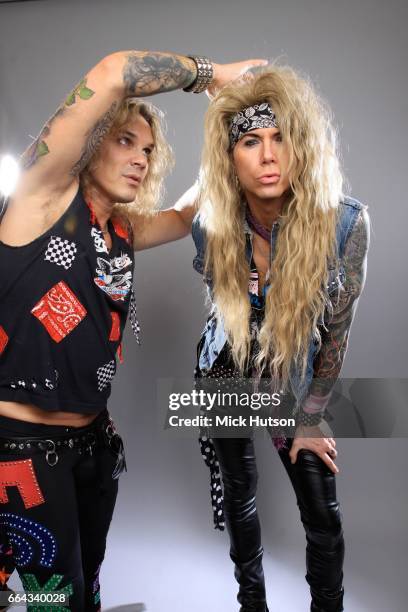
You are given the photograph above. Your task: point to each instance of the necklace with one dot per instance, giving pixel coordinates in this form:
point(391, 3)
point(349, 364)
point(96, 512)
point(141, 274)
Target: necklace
point(257, 227)
point(261, 230)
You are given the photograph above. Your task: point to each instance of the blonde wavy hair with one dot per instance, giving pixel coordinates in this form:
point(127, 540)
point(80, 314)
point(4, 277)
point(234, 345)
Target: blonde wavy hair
point(161, 161)
point(307, 236)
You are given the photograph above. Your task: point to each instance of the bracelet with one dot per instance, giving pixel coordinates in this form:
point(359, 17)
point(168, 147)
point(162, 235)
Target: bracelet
point(204, 76)
point(309, 419)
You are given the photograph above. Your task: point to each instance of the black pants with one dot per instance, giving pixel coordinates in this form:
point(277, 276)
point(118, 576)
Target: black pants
point(315, 489)
point(56, 505)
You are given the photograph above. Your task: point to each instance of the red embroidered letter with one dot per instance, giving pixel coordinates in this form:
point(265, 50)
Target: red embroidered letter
point(20, 474)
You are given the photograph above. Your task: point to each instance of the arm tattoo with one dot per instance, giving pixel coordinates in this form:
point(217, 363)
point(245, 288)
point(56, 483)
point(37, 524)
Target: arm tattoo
point(96, 135)
point(148, 73)
point(80, 90)
point(39, 147)
point(330, 358)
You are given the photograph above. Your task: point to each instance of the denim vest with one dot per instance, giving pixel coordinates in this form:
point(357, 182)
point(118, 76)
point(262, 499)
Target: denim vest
point(213, 337)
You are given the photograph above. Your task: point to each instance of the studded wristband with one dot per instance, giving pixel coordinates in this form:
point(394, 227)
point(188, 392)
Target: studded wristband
point(204, 76)
point(309, 419)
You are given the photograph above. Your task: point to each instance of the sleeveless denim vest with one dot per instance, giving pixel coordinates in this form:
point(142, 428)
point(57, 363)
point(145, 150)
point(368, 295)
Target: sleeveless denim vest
point(213, 336)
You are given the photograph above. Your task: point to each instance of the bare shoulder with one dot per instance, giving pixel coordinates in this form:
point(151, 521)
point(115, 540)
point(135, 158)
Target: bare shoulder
point(28, 216)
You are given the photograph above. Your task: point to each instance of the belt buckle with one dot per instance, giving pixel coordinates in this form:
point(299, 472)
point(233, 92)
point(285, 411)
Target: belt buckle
point(51, 452)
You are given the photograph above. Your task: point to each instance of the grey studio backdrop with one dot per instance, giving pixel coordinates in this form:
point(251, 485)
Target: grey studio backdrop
point(162, 549)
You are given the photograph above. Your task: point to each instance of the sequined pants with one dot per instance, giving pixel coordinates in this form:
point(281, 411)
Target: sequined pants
point(315, 490)
point(55, 514)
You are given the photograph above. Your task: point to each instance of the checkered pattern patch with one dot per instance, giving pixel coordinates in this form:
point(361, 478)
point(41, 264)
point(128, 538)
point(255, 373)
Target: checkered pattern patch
point(61, 252)
point(133, 316)
point(105, 374)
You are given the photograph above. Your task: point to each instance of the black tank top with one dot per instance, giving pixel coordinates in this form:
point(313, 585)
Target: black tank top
point(64, 301)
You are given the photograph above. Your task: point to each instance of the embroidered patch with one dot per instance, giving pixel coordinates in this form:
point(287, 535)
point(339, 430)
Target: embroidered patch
point(3, 339)
point(112, 278)
point(20, 474)
point(114, 335)
point(99, 241)
point(105, 374)
point(59, 311)
point(31, 585)
point(23, 550)
point(61, 252)
point(133, 316)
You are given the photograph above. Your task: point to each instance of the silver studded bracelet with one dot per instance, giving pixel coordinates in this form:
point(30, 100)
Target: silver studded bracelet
point(205, 73)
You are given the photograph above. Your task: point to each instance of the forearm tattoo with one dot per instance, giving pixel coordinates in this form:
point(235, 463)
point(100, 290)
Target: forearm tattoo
point(329, 361)
point(95, 138)
point(39, 147)
point(148, 73)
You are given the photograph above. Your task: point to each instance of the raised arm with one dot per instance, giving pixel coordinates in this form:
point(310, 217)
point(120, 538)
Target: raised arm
point(69, 139)
point(73, 133)
point(71, 136)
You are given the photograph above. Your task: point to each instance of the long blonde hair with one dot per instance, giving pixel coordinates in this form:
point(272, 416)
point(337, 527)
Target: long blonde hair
point(307, 236)
point(150, 192)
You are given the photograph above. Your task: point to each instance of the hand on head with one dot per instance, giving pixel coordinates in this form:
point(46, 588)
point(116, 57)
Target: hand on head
point(225, 73)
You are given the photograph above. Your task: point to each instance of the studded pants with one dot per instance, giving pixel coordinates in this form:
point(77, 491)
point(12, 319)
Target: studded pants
point(55, 515)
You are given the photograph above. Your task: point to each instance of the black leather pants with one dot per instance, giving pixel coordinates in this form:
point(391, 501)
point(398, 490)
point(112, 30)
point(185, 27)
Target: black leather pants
point(315, 490)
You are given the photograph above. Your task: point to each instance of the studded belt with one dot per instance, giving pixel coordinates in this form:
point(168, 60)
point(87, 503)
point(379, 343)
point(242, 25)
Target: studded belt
point(98, 434)
point(50, 446)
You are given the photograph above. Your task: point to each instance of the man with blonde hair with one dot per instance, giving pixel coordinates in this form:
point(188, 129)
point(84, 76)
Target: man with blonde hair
point(283, 253)
point(85, 200)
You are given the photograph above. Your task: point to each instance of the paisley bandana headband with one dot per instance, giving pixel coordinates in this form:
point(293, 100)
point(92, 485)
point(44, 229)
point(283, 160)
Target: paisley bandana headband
point(251, 118)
